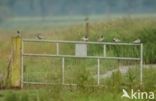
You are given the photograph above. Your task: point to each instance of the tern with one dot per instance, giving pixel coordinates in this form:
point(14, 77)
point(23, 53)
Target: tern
point(39, 36)
point(84, 38)
point(116, 40)
point(18, 33)
point(101, 38)
point(137, 41)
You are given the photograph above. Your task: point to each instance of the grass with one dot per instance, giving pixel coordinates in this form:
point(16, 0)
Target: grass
point(81, 71)
point(80, 93)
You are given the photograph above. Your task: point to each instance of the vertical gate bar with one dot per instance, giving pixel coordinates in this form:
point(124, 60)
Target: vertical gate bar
point(98, 71)
point(57, 48)
point(141, 64)
point(22, 51)
point(63, 70)
point(104, 50)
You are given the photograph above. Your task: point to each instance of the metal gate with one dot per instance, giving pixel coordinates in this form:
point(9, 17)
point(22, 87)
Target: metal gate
point(80, 51)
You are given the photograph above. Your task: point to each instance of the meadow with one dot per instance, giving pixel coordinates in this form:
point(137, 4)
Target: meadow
point(127, 29)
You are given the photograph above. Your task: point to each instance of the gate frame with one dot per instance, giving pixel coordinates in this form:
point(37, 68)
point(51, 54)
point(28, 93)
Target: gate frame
point(58, 42)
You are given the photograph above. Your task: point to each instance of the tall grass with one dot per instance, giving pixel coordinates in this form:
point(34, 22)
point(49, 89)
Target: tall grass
point(148, 37)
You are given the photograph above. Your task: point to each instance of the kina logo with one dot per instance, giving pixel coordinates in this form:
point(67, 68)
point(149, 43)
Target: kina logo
point(137, 95)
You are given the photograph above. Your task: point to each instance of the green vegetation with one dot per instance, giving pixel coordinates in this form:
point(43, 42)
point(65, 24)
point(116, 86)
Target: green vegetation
point(110, 92)
point(82, 71)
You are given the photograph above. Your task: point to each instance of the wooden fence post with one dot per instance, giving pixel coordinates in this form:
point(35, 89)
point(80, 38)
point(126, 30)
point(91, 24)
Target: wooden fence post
point(15, 67)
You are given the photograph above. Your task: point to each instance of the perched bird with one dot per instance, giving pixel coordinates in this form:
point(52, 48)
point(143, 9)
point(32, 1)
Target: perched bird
point(39, 36)
point(84, 38)
point(101, 38)
point(116, 40)
point(18, 33)
point(137, 41)
point(86, 19)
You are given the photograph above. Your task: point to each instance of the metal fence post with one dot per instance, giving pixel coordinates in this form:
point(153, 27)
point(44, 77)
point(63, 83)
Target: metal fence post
point(104, 50)
point(63, 70)
point(141, 64)
point(98, 71)
point(57, 48)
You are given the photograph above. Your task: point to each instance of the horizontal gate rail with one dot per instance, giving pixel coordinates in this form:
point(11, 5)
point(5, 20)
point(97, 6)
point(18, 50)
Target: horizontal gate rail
point(87, 57)
point(81, 42)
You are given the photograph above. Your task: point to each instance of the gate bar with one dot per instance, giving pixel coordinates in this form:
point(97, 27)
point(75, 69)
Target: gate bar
point(80, 42)
point(73, 56)
point(104, 50)
point(57, 48)
point(141, 64)
point(98, 71)
point(62, 70)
